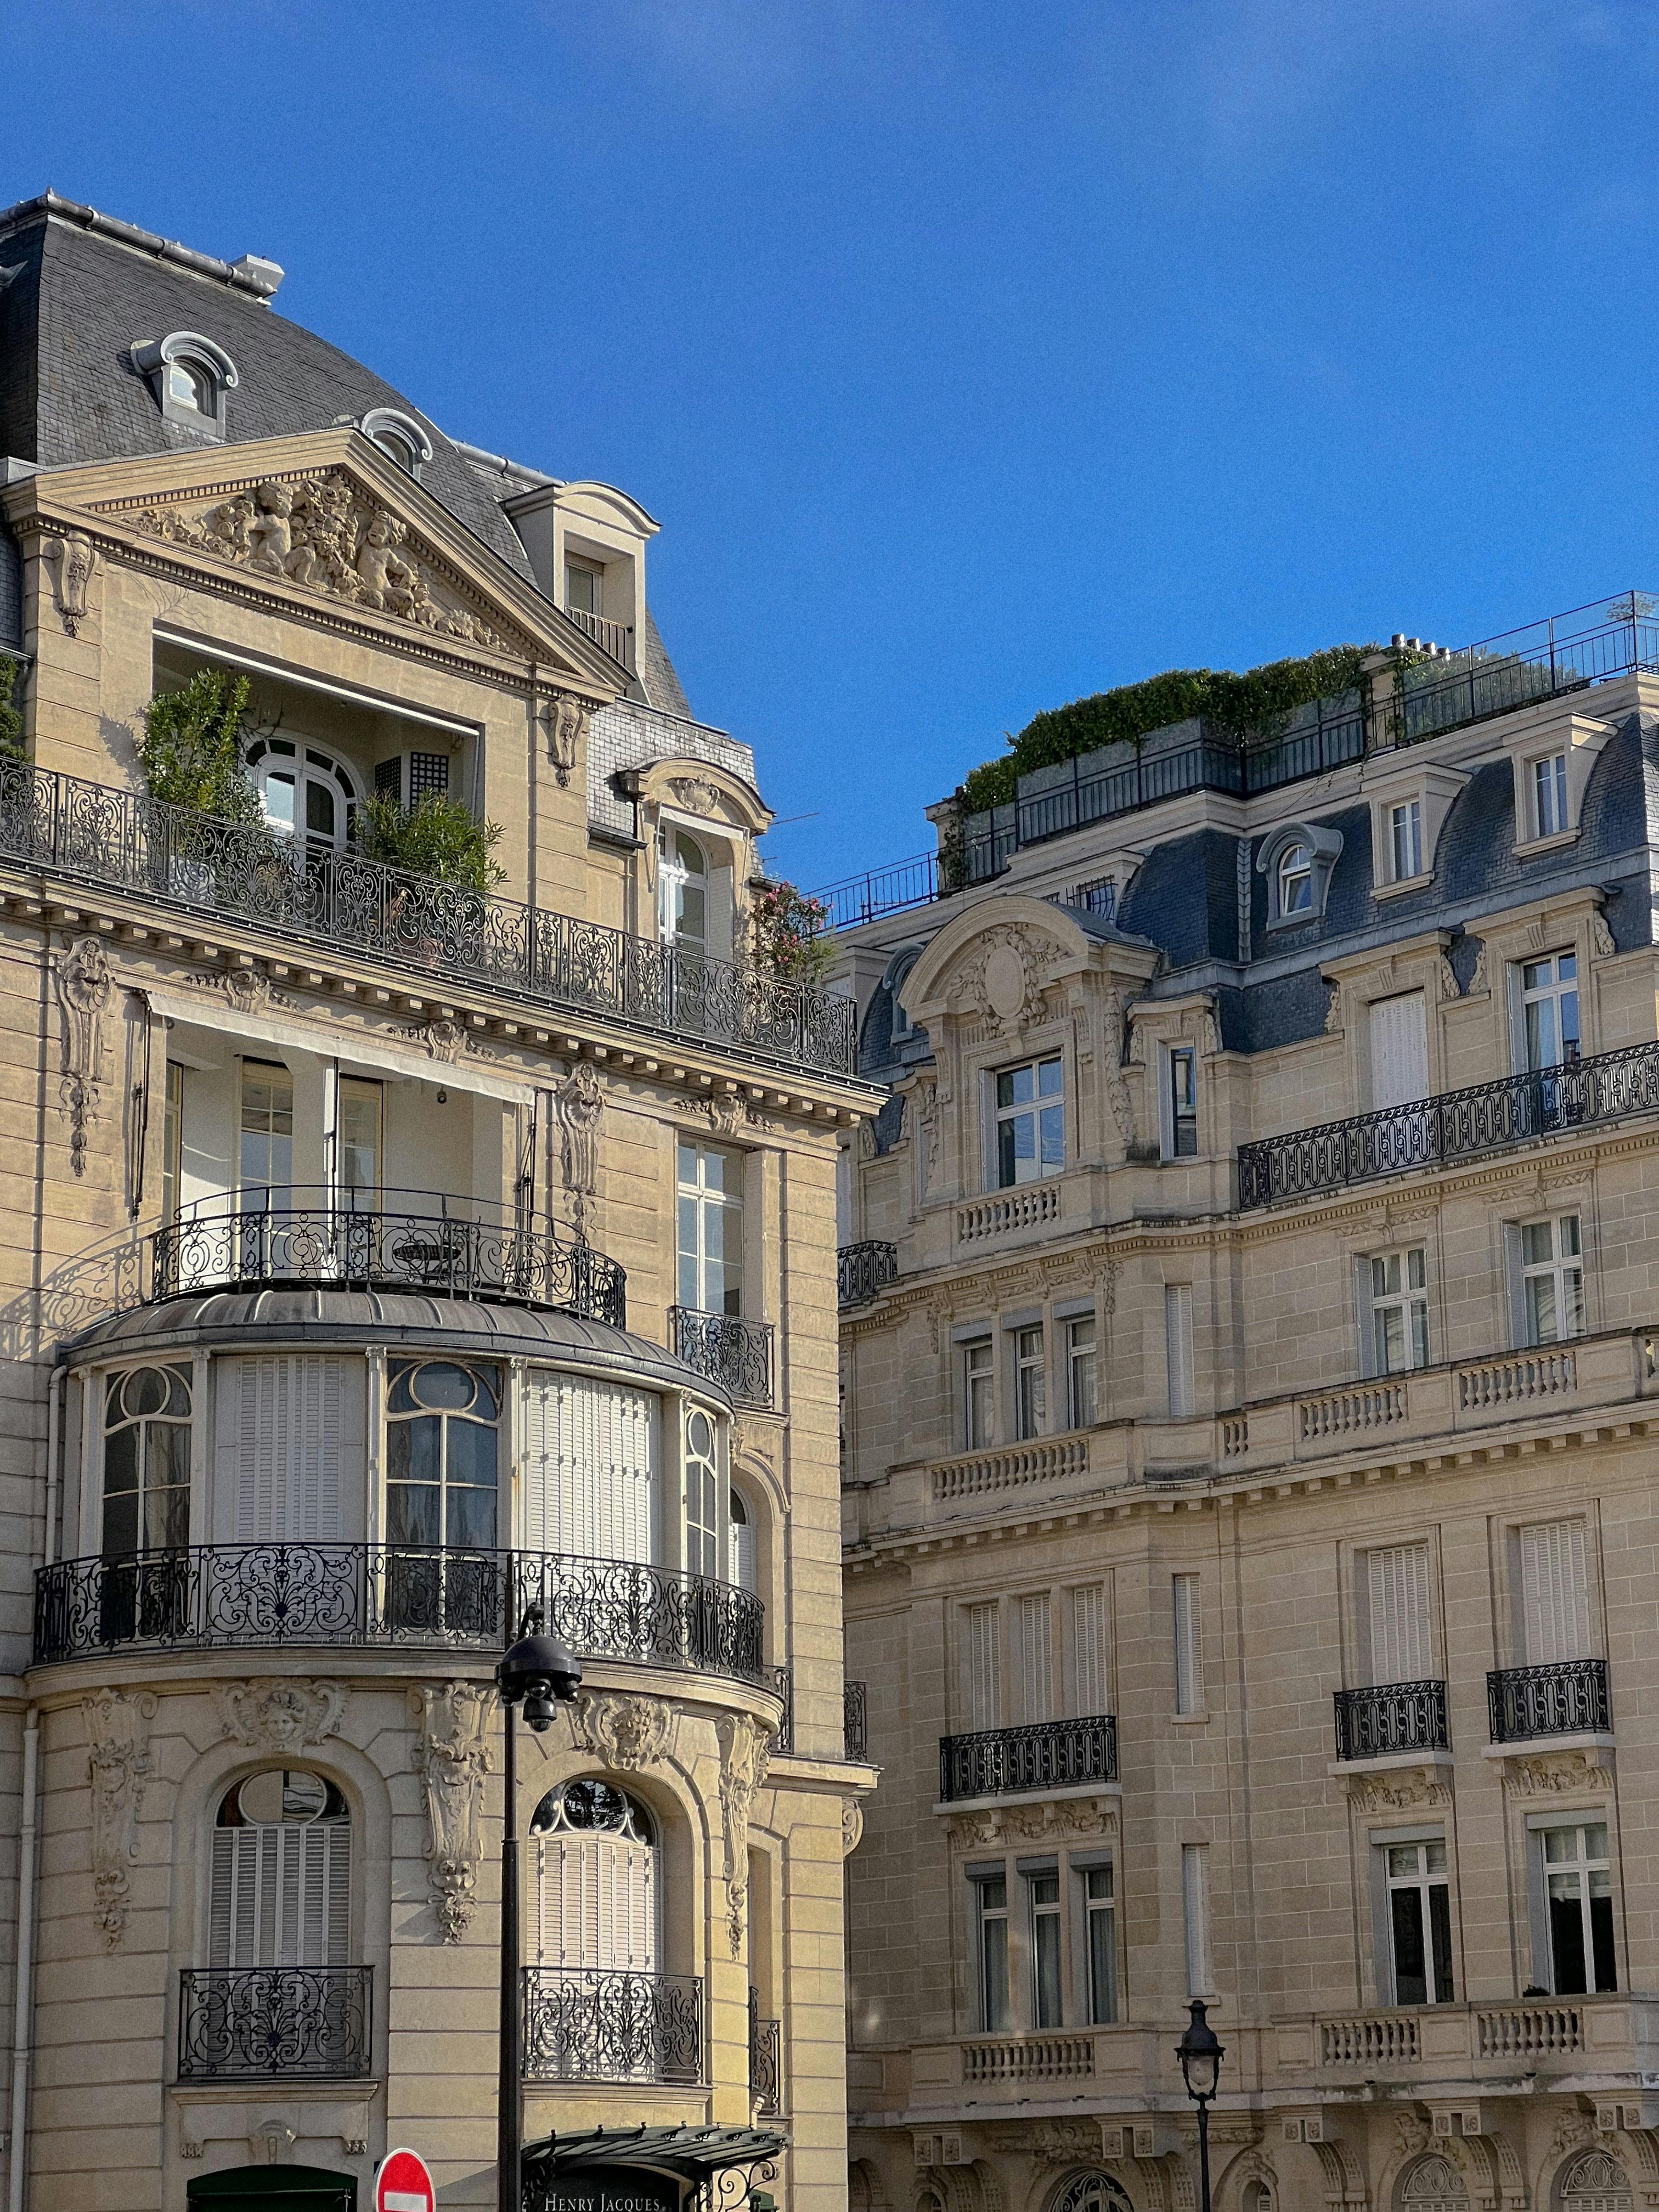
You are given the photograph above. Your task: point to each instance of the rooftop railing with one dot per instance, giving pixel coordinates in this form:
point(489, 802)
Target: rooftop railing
point(229, 873)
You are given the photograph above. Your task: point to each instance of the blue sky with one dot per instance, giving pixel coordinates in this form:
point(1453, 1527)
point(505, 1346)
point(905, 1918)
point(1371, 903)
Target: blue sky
point(973, 356)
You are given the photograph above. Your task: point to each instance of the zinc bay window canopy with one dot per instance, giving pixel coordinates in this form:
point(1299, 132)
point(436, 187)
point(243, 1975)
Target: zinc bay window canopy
point(687, 2158)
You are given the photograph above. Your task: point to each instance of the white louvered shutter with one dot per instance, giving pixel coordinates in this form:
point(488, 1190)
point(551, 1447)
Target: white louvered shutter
point(1036, 1660)
point(741, 1530)
point(1400, 1646)
point(281, 1896)
point(984, 1669)
point(289, 1436)
point(1554, 1592)
point(1188, 1656)
point(590, 1456)
point(596, 1903)
point(1089, 1649)
point(1178, 1346)
point(1399, 1049)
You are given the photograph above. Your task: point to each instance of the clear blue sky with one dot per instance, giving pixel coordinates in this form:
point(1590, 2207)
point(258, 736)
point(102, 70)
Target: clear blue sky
point(973, 355)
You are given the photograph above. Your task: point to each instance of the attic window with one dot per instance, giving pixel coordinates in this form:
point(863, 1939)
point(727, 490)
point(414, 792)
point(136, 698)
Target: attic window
point(190, 376)
point(399, 437)
point(1296, 860)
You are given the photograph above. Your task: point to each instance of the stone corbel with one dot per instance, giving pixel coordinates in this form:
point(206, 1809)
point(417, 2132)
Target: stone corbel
point(86, 986)
point(453, 1757)
point(565, 718)
point(745, 1750)
point(118, 1732)
point(628, 1734)
point(71, 557)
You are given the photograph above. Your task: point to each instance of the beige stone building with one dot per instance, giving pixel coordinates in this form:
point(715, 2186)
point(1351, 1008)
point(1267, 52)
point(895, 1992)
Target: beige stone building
point(1249, 1308)
point(387, 1260)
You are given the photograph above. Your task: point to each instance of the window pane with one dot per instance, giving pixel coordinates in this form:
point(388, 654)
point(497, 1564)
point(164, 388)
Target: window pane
point(995, 1945)
point(1053, 1137)
point(1048, 1079)
point(472, 1453)
point(1567, 1959)
point(414, 1513)
point(1411, 1981)
point(1440, 1936)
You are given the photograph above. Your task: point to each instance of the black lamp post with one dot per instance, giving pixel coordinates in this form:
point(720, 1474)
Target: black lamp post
point(539, 1674)
point(1200, 2053)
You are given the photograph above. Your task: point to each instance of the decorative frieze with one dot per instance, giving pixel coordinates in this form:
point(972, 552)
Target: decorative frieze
point(580, 1103)
point(628, 1734)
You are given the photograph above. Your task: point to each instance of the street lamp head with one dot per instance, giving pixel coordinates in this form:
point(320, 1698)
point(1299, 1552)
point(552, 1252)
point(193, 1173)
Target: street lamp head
point(1201, 2054)
point(541, 1674)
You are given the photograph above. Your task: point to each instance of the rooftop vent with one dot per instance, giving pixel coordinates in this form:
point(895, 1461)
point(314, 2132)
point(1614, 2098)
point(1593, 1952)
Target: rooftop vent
point(265, 275)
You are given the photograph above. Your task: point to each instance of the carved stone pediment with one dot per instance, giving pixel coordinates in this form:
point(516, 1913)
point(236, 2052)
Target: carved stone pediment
point(999, 980)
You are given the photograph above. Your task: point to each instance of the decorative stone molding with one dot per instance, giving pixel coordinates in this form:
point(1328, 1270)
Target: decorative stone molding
point(1448, 977)
point(1555, 1774)
point(272, 2144)
point(1047, 1822)
point(86, 986)
point(627, 1733)
point(1333, 1010)
point(452, 1756)
point(1601, 936)
point(694, 795)
point(71, 557)
point(1000, 983)
point(1047, 2143)
point(579, 1102)
point(746, 1751)
point(1400, 1788)
point(325, 534)
point(1119, 1098)
point(565, 719)
point(118, 1730)
point(730, 1112)
point(249, 990)
point(1478, 973)
point(282, 1715)
point(852, 1826)
point(354, 2146)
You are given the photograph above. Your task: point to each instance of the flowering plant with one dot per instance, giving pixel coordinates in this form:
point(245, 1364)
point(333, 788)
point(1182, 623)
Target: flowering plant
point(790, 937)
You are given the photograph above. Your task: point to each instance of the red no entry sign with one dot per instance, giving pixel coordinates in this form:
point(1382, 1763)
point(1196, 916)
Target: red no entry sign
point(403, 2183)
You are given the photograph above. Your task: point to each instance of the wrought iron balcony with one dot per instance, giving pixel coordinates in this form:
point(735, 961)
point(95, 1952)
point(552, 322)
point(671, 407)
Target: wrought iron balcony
point(1456, 1124)
point(230, 873)
point(1569, 1698)
point(1390, 1717)
point(246, 1596)
point(274, 2022)
point(1012, 1761)
point(737, 1354)
point(596, 2024)
point(765, 2060)
point(853, 1734)
point(862, 1270)
point(612, 637)
point(394, 1240)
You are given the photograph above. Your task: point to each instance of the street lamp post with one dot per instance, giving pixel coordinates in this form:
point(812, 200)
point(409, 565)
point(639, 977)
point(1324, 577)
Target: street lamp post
point(538, 1674)
point(1201, 2054)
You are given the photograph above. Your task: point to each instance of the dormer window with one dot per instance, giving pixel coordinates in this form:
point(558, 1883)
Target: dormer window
point(399, 437)
point(190, 376)
point(1549, 796)
point(1297, 860)
point(1295, 882)
point(584, 588)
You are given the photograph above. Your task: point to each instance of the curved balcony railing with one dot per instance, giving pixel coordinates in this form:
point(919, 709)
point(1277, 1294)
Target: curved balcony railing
point(597, 2024)
point(231, 872)
point(1388, 1718)
point(1044, 1755)
point(862, 1270)
point(245, 1596)
point(1567, 1698)
point(393, 1240)
point(274, 2022)
point(1543, 1102)
point(735, 1353)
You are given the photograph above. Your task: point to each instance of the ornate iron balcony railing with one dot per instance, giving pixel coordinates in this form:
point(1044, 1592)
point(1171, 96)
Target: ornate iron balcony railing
point(1453, 1126)
point(594, 2024)
point(765, 2060)
point(1045, 1755)
point(862, 1270)
point(1568, 1697)
point(243, 1596)
point(274, 2022)
point(1388, 1718)
point(227, 872)
point(737, 1354)
point(853, 1734)
point(402, 1241)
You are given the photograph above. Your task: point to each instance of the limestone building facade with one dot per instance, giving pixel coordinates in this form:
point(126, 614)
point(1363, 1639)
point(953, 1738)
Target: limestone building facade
point(1248, 1340)
point(388, 1261)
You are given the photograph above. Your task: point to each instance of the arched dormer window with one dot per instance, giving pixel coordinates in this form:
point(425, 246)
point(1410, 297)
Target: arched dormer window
point(190, 376)
point(683, 874)
point(399, 437)
point(893, 982)
point(1297, 860)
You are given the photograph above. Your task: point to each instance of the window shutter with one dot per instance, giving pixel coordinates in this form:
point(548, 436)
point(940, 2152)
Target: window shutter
point(1554, 1592)
point(1188, 1668)
point(290, 1433)
point(1195, 1916)
point(1178, 1345)
point(1089, 1648)
point(588, 1469)
point(1399, 1588)
point(221, 1899)
point(1036, 1660)
point(1399, 1049)
point(984, 1669)
point(742, 1532)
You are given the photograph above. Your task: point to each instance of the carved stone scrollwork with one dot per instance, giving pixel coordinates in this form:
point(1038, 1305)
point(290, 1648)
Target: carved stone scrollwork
point(694, 795)
point(565, 718)
point(745, 1752)
point(1398, 1790)
point(118, 1730)
point(627, 1733)
point(71, 557)
point(579, 1104)
point(851, 1826)
point(1602, 941)
point(1036, 1823)
point(1118, 1094)
point(453, 1757)
point(1555, 1773)
point(86, 986)
point(281, 1716)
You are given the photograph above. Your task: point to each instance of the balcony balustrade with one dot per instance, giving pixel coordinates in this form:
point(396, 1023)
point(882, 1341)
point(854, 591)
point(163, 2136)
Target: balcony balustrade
point(394, 1240)
point(612, 637)
point(230, 873)
point(1389, 1718)
point(765, 2060)
point(735, 1353)
point(1569, 1698)
point(1456, 1124)
point(267, 2022)
point(598, 2024)
point(1013, 1761)
point(246, 1596)
point(863, 1270)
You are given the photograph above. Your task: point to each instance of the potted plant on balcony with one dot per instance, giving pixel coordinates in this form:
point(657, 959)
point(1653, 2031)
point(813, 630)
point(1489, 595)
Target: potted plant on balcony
point(791, 939)
point(11, 719)
point(439, 840)
point(192, 756)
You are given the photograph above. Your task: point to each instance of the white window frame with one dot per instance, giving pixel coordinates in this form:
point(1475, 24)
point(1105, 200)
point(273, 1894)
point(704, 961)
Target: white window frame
point(1560, 1271)
point(1321, 847)
point(1405, 839)
point(1408, 1297)
point(181, 365)
point(979, 1384)
point(1047, 1914)
point(1099, 2005)
point(1588, 1865)
point(1035, 1107)
point(1082, 1355)
point(1030, 1354)
point(1179, 1117)
point(1547, 793)
point(986, 1916)
point(1425, 1878)
point(728, 1200)
point(1555, 992)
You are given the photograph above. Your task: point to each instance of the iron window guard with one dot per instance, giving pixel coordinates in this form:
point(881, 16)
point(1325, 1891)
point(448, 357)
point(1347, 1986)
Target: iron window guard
point(765, 2060)
point(599, 2024)
point(723, 1349)
point(1044, 1755)
point(1569, 1697)
point(1376, 1722)
point(270, 2023)
point(863, 1270)
point(855, 1737)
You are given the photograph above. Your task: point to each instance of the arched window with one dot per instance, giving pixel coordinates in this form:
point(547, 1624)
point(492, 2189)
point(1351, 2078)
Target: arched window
point(701, 1494)
point(1297, 860)
point(1295, 881)
point(190, 376)
point(282, 1874)
point(1259, 2196)
point(1594, 2182)
point(146, 1460)
point(305, 792)
point(741, 1546)
point(1092, 2192)
point(441, 1454)
point(1432, 2185)
point(399, 436)
point(598, 1907)
point(682, 889)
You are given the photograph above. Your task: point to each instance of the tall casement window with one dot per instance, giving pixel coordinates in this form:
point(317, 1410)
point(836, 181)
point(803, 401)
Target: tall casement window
point(282, 1874)
point(978, 1385)
point(1081, 1370)
point(1397, 1324)
point(1030, 1123)
point(982, 1665)
point(1042, 1905)
point(172, 1139)
point(1181, 1132)
point(1089, 1652)
point(1549, 1010)
point(1030, 1384)
point(1420, 1923)
point(1399, 1646)
point(441, 1438)
point(1399, 1031)
point(1100, 1943)
point(1195, 1918)
point(703, 1492)
point(359, 1135)
point(1553, 1587)
point(1549, 795)
point(991, 1933)
point(682, 890)
point(265, 1155)
point(1577, 1877)
point(146, 1460)
point(1035, 1655)
point(710, 1229)
point(1406, 841)
point(1189, 1654)
point(1295, 882)
point(1551, 1263)
point(740, 1544)
point(1178, 1347)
